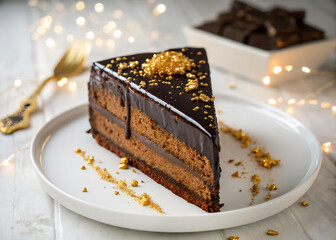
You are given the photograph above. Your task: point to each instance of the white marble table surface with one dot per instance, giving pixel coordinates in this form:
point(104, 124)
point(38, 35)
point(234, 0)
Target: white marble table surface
point(26, 212)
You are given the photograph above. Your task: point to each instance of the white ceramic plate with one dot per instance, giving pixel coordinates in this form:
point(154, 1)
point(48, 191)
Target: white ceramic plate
point(58, 169)
point(254, 63)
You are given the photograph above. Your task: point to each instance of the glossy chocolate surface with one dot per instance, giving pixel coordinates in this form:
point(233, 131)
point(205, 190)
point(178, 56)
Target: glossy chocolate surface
point(169, 108)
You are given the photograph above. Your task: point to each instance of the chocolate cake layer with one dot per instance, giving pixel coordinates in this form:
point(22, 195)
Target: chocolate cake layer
point(151, 130)
point(149, 153)
point(210, 205)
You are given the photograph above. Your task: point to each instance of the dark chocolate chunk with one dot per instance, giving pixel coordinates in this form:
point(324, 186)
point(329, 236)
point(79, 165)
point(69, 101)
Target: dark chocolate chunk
point(256, 16)
point(309, 33)
point(278, 26)
point(240, 8)
point(212, 27)
point(263, 41)
point(239, 31)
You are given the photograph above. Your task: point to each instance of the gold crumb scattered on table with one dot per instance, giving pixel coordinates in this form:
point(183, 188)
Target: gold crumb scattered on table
point(100, 162)
point(230, 160)
point(134, 183)
point(272, 232)
point(238, 163)
point(78, 150)
point(233, 238)
point(84, 189)
point(133, 170)
point(263, 158)
point(116, 192)
point(272, 187)
point(237, 133)
point(123, 164)
point(304, 203)
point(83, 167)
point(219, 111)
point(142, 181)
point(143, 199)
point(235, 174)
point(268, 197)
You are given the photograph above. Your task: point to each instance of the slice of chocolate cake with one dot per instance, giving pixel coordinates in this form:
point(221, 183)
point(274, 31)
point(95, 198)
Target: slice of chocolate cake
point(157, 109)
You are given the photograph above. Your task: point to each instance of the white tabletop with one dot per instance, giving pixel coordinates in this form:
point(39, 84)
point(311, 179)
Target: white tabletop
point(29, 54)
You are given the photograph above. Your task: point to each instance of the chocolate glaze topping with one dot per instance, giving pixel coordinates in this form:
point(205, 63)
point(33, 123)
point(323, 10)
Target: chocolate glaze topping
point(166, 101)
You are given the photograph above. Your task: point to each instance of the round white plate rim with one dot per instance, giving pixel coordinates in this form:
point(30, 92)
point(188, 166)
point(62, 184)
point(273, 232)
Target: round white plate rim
point(286, 199)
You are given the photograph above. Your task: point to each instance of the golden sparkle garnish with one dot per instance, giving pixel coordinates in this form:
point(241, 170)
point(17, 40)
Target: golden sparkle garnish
point(233, 238)
point(78, 150)
point(272, 232)
point(272, 187)
point(143, 199)
point(255, 179)
point(134, 183)
point(123, 164)
point(168, 63)
point(263, 158)
point(237, 133)
point(304, 203)
point(195, 108)
point(84, 189)
point(192, 84)
point(235, 174)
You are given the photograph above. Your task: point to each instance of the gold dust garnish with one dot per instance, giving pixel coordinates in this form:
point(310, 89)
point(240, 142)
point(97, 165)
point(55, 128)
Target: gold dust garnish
point(263, 158)
point(144, 199)
point(123, 164)
point(168, 63)
point(84, 189)
point(142, 84)
point(268, 197)
point(207, 106)
point(235, 174)
point(272, 187)
point(191, 85)
point(237, 133)
point(90, 159)
point(238, 163)
point(109, 65)
point(78, 150)
point(255, 189)
point(233, 238)
point(116, 192)
point(83, 167)
point(195, 108)
point(134, 183)
point(271, 232)
point(304, 203)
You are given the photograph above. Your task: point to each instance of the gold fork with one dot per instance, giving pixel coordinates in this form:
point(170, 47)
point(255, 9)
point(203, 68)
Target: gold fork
point(71, 64)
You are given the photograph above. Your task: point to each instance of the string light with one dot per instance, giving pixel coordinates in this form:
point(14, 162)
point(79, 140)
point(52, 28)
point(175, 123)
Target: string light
point(272, 101)
point(50, 43)
point(80, 5)
point(80, 21)
point(305, 69)
point(312, 102)
point(32, 3)
point(17, 83)
point(131, 39)
point(326, 147)
point(110, 43)
point(41, 30)
point(99, 7)
point(325, 104)
point(333, 108)
point(301, 102)
point(109, 27)
point(291, 101)
point(70, 38)
point(117, 33)
point(266, 80)
point(280, 99)
point(277, 69)
point(62, 82)
point(72, 86)
point(289, 68)
point(159, 9)
point(118, 14)
point(7, 160)
point(90, 35)
point(58, 29)
point(290, 110)
point(99, 42)
point(46, 21)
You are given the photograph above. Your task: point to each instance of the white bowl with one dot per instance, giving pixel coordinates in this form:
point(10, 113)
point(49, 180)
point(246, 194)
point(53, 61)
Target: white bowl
point(255, 63)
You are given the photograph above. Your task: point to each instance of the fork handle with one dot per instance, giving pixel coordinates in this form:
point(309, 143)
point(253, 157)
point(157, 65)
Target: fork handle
point(21, 118)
